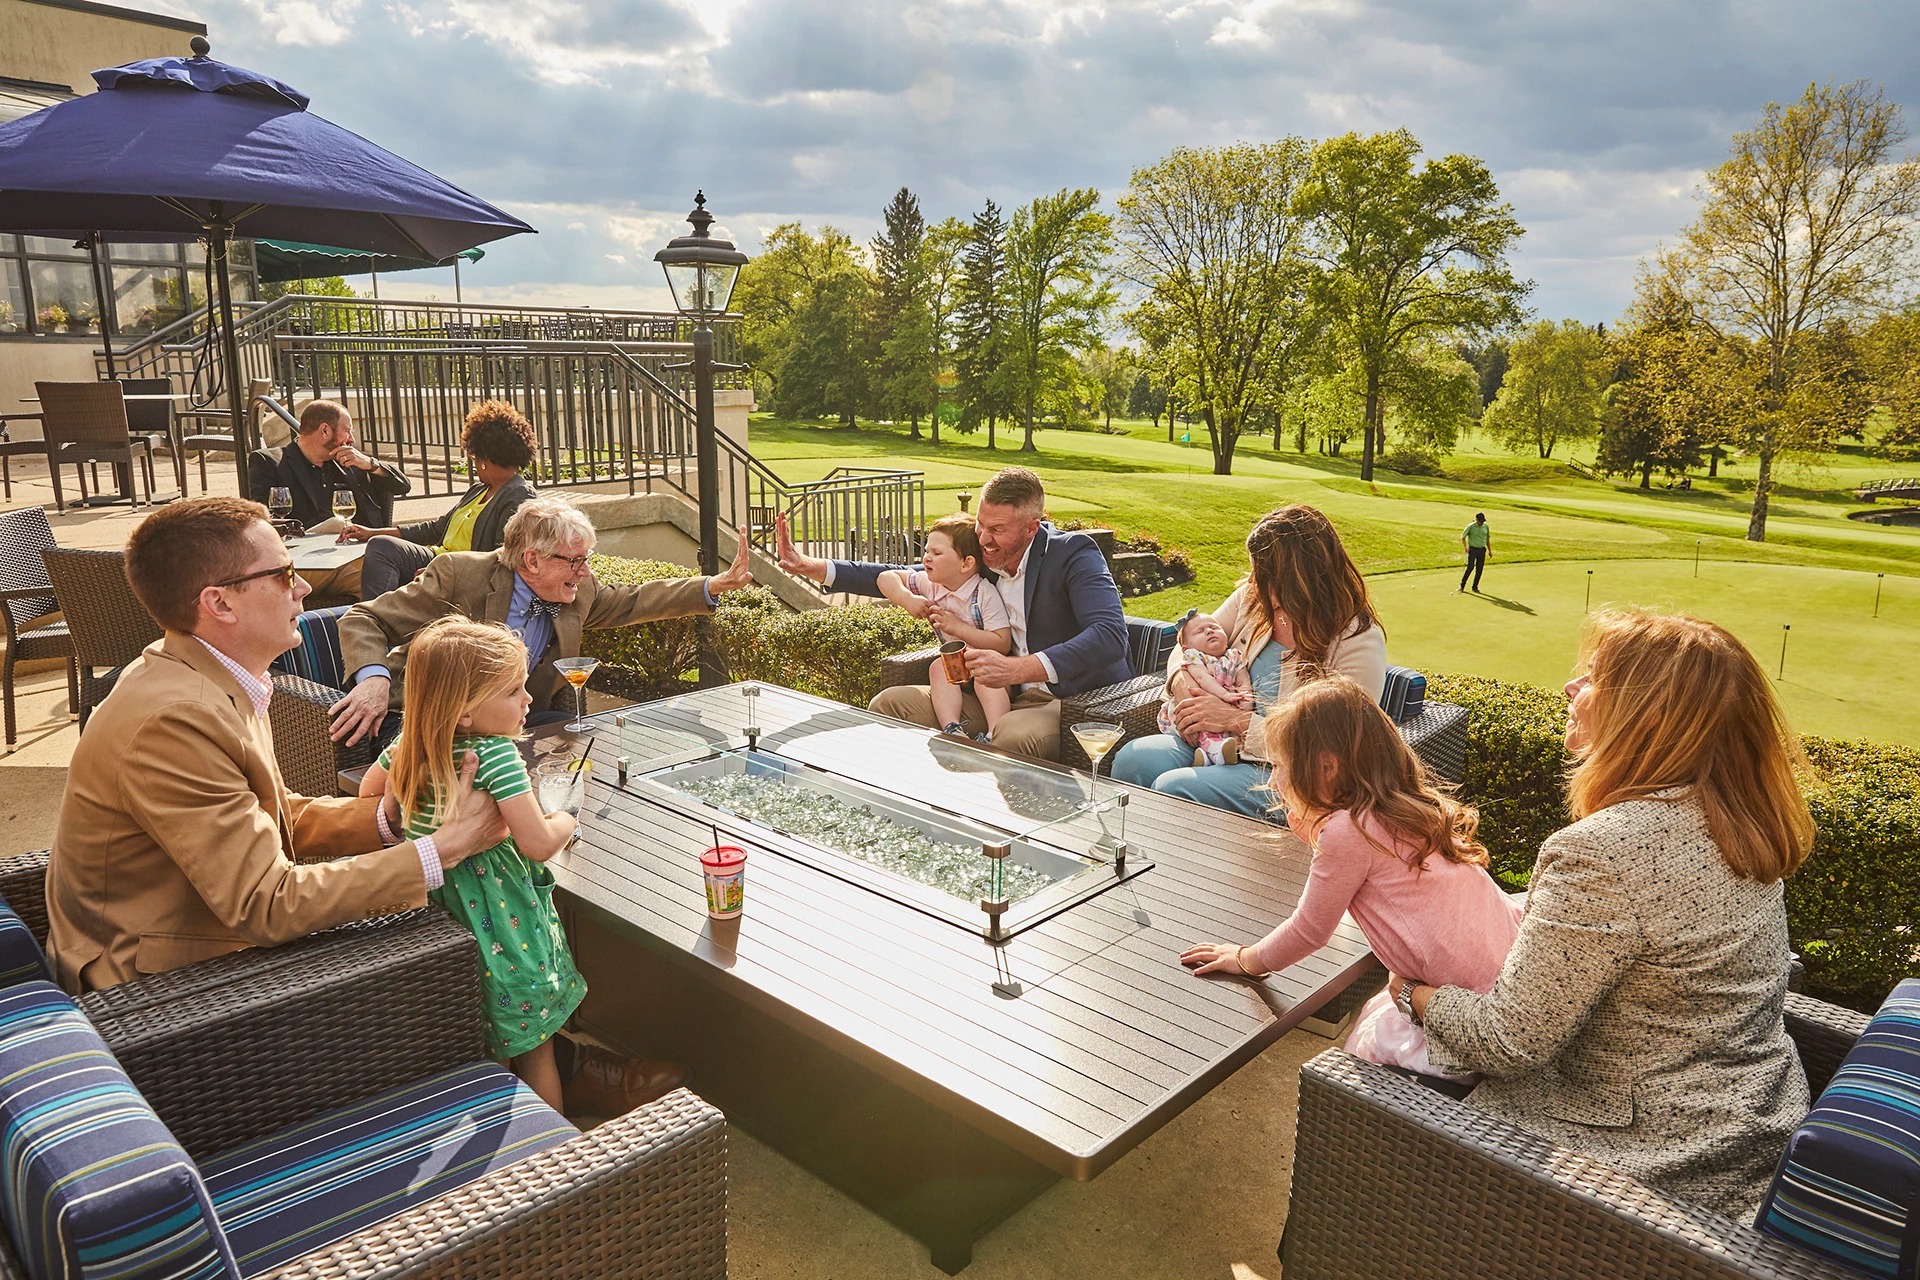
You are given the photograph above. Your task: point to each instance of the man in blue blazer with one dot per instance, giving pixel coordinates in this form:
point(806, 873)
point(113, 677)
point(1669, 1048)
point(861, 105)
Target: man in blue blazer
point(1069, 629)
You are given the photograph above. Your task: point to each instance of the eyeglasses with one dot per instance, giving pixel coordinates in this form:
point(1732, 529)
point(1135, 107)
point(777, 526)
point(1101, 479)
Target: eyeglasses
point(285, 572)
point(575, 563)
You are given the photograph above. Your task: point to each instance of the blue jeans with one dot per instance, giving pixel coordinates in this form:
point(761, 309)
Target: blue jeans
point(1165, 763)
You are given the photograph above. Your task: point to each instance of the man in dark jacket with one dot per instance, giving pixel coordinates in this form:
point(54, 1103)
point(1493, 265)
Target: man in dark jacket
point(1069, 628)
point(320, 459)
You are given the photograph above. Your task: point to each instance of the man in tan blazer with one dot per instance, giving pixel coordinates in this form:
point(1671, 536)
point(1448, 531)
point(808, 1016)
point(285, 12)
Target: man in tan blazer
point(177, 839)
point(537, 585)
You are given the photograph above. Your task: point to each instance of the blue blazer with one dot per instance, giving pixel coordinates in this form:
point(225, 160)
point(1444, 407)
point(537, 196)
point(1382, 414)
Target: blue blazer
point(1074, 614)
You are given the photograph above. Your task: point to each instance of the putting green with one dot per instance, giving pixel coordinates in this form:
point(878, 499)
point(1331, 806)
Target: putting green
point(1848, 674)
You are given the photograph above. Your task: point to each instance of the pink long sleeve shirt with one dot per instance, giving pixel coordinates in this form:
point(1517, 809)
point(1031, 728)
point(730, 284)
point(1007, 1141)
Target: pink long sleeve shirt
point(1447, 925)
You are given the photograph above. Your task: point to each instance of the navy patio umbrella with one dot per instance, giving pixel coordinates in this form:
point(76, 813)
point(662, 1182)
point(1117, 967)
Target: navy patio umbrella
point(175, 148)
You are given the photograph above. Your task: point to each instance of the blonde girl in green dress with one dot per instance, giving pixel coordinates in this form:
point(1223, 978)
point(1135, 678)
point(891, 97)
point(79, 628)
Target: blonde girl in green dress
point(466, 691)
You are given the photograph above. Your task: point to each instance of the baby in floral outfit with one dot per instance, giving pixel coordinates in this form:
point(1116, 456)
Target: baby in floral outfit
point(1208, 664)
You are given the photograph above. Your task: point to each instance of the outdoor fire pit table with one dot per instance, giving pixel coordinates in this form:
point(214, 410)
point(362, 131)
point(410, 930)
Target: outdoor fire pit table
point(956, 977)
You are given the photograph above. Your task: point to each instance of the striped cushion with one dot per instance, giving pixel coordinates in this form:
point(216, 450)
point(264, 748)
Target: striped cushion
point(1849, 1184)
point(1148, 640)
point(1404, 694)
point(301, 1189)
point(317, 656)
point(95, 1185)
point(20, 957)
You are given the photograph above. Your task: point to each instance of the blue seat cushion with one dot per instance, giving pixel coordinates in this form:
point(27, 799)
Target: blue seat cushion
point(1849, 1184)
point(1404, 694)
point(317, 656)
point(95, 1184)
point(302, 1189)
point(21, 959)
point(1149, 640)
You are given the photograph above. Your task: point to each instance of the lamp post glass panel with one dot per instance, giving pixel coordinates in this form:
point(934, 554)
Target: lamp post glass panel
point(701, 271)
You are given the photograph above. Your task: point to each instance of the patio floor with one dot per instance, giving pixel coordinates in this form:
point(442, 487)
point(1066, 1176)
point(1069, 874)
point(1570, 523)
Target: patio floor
point(1203, 1199)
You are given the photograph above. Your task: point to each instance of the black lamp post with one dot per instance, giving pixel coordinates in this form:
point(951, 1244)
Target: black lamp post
point(701, 271)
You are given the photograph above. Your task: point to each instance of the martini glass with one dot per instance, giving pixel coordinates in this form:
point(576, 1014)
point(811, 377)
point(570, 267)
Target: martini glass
point(1096, 738)
point(575, 672)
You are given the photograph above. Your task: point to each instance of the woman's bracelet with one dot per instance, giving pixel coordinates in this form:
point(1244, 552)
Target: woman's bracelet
point(1240, 958)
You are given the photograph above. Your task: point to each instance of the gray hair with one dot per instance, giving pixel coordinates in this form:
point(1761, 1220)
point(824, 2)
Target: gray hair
point(541, 524)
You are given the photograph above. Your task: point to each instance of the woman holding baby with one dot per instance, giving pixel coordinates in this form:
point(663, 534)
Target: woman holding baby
point(1303, 605)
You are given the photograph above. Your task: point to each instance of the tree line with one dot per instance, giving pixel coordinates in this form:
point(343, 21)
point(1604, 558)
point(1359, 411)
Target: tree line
point(1351, 290)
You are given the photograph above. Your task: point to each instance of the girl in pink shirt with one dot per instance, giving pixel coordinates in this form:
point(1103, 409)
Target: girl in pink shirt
point(1388, 848)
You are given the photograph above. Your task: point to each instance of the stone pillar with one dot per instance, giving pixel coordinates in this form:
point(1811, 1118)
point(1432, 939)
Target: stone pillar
point(730, 410)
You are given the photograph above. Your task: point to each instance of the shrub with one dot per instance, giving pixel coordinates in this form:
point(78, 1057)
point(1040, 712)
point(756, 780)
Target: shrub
point(1851, 908)
point(834, 653)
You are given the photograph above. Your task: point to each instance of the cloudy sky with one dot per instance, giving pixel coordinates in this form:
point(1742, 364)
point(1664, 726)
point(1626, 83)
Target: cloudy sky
point(594, 120)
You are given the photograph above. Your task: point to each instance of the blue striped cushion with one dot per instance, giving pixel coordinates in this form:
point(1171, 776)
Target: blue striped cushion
point(1148, 640)
point(21, 959)
point(1404, 694)
point(302, 1189)
point(95, 1185)
point(1849, 1184)
point(317, 656)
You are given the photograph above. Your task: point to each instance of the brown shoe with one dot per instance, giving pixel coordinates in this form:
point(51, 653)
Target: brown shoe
point(1230, 751)
point(605, 1084)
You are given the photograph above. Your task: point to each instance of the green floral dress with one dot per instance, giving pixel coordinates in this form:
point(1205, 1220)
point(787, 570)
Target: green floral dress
point(528, 981)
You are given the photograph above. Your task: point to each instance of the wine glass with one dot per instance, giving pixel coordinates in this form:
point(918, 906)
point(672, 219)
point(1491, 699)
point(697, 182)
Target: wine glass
point(344, 504)
point(575, 672)
point(280, 502)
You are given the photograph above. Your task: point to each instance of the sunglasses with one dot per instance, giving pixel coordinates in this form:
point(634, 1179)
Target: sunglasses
point(285, 572)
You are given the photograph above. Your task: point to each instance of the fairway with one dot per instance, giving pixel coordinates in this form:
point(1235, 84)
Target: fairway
point(1848, 675)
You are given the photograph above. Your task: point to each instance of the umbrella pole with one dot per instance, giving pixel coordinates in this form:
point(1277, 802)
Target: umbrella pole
point(102, 301)
point(217, 239)
point(457, 299)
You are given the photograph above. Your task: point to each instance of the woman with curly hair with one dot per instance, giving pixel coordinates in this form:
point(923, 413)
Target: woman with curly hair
point(499, 444)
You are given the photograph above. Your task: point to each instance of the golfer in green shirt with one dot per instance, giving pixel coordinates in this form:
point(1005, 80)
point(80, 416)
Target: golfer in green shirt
point(1476, 539)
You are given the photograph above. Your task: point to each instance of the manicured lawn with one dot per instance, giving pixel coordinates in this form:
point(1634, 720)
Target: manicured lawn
point(1848, 674)
point(1543, 513)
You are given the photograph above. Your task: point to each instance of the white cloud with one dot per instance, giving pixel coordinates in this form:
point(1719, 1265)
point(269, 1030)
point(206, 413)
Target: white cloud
point(306, 22)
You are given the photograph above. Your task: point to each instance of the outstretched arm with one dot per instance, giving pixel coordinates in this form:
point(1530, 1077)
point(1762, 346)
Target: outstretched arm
point(538, 835)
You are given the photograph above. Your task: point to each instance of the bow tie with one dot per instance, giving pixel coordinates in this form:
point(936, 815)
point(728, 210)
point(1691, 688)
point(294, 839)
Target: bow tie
point(538, 608)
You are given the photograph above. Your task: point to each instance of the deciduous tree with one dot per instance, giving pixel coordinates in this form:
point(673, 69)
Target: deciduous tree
point(1410, 253)
point(1214, 240)
point(1551, 391)
point(1056, 248)
point(1805, 225)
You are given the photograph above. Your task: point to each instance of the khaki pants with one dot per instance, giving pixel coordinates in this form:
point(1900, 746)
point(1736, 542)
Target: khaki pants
point(334, 586)
point(1032, 728)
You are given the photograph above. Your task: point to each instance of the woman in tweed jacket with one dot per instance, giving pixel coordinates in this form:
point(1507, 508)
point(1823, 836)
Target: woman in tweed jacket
point(1638, 1017)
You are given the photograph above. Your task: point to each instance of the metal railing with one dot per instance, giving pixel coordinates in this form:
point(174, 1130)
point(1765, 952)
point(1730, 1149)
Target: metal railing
point(601, 413)
point(181, 350)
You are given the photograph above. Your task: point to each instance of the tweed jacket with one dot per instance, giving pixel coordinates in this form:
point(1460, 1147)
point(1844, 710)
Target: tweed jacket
point(1639, 1016)
point(178, 841)
point(1360, 655)
point(488, 531)
point(479, 585)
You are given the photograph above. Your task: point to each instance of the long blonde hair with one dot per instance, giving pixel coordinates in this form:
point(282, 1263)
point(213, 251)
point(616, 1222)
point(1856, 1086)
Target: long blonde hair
point(453, 665)
point(1376, 775)
point(1678, 702)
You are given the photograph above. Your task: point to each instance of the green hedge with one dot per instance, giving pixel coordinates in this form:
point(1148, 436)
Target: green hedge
point(1852, 908)
point(834, 653)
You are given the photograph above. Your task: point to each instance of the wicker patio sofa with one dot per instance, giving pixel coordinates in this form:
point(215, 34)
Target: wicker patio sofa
point(1391, 1178)
point(1437, 731)
point(230, 1050)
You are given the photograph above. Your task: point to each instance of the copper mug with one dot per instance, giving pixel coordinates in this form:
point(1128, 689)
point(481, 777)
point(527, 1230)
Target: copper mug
point(953, 655)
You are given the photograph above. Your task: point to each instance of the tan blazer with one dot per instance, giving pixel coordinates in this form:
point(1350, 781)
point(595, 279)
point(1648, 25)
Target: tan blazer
point(479, 585)
point(178, 841)
point(1362, 656)
point(1639, 1017)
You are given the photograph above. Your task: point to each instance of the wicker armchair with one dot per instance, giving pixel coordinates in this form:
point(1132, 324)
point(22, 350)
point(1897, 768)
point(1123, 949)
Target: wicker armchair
point(307, 679)
point(86, 422)
point(109, 624)
point(232, 1049)
point(28, 607)
point(1391, 1178)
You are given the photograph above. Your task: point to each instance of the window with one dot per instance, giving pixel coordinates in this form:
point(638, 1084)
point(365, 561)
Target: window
point(47, 290)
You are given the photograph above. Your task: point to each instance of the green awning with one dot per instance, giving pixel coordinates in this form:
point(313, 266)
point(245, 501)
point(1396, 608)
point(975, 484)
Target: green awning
point(280, 260)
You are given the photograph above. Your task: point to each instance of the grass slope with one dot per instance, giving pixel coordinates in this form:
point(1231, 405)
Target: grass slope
point(1543, 512)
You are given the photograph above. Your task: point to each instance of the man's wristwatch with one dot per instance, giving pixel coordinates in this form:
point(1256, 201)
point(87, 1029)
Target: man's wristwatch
point(1403, 999)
